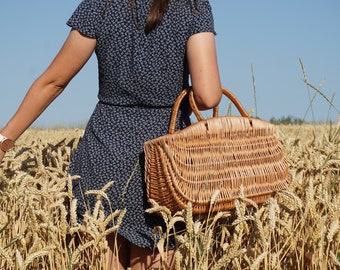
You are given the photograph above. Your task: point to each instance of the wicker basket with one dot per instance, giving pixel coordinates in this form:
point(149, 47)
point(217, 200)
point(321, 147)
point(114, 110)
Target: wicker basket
point(219, 153)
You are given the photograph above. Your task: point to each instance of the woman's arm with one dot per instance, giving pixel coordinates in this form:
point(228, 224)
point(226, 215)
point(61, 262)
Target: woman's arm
point(75, 52)
point(203, 67)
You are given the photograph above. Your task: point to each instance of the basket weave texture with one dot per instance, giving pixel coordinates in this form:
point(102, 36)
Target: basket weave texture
point(220, 153)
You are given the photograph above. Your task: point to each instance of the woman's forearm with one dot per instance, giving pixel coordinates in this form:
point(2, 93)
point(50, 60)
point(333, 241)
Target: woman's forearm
point(35, 102)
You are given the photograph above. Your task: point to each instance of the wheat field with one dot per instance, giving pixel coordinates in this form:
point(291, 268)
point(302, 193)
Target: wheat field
point(297, 229)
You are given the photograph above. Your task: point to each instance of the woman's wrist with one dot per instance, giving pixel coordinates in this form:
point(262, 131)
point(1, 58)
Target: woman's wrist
point(5, 143)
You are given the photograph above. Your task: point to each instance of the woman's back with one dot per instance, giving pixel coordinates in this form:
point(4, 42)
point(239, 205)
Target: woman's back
point(137, 68)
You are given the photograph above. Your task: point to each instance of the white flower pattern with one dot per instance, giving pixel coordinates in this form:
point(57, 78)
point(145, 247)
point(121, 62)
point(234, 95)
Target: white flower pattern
point(140, 77)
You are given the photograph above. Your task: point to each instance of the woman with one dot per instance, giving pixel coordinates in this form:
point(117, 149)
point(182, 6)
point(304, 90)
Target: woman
point(146, 50)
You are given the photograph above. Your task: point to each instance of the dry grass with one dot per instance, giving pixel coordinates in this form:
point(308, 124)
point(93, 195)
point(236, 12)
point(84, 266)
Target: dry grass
point(298, 229)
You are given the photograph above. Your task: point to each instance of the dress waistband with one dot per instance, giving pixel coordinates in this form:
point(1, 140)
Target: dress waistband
point(144, 106)
point(184, 106)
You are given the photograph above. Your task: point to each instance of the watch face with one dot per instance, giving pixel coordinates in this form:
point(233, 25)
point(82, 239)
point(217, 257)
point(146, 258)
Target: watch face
point(6, 145)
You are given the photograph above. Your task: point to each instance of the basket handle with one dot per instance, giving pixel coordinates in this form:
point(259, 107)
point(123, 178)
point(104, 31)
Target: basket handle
point(196, 111)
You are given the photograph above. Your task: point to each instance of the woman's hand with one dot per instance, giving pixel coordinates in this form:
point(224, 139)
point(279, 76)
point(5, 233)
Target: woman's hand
point(2, 154)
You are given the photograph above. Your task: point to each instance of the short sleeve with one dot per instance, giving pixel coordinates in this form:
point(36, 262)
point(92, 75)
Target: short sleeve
point(87, 17)
point(202, 18)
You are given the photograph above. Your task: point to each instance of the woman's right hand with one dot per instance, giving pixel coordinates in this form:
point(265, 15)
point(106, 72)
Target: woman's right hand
point(2, 154)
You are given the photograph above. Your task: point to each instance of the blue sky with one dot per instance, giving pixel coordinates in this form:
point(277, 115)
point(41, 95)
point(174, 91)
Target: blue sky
point(270, 36)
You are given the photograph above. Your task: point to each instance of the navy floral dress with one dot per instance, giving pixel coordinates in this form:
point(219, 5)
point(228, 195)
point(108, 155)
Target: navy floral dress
point(140, 77)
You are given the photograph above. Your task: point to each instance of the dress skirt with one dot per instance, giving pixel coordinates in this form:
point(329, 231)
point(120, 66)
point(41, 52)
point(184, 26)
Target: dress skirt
point(112, 150)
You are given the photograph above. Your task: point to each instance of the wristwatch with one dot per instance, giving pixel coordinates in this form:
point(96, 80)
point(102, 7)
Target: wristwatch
point(5, 143)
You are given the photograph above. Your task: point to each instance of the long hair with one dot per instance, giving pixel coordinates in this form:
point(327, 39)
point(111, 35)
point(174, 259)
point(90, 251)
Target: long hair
point(156, 13)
